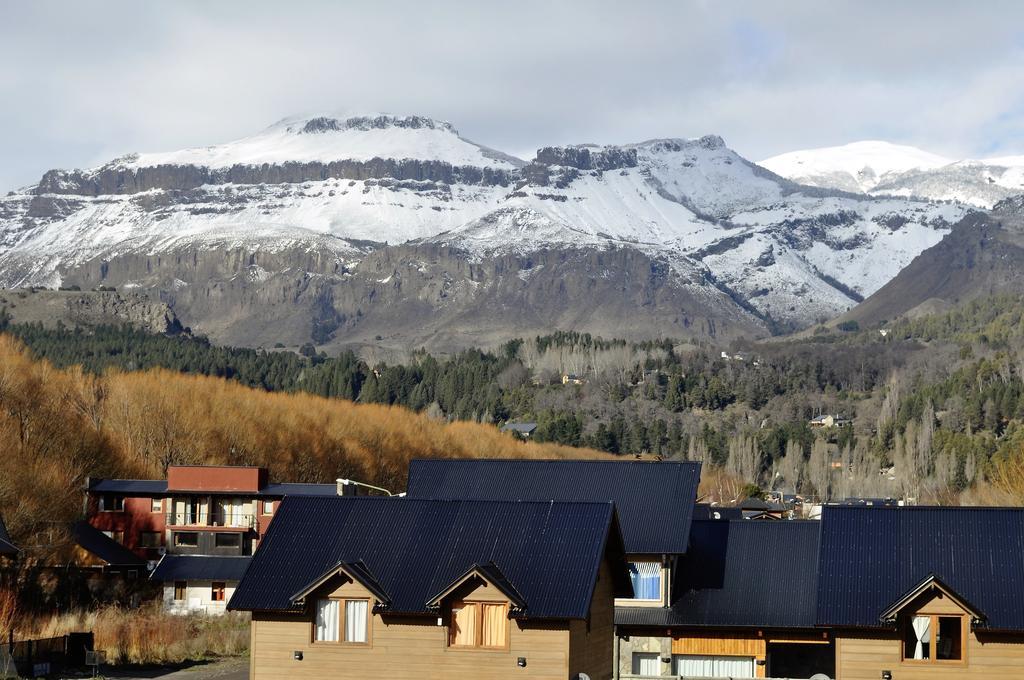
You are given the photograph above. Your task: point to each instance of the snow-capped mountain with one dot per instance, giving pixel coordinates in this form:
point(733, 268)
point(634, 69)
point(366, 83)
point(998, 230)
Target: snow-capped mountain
point(884, 169)
point(346, 227)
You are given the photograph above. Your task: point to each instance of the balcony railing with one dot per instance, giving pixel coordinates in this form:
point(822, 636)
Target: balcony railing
point(214, 519)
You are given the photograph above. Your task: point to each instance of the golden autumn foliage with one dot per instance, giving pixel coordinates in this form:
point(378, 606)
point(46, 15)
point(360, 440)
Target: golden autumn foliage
point(59, 427)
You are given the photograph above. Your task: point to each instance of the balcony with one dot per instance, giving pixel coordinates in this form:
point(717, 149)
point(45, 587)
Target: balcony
point(216, 520)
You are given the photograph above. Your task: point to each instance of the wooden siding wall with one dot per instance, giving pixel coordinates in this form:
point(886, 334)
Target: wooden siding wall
point(723, 644)
point(410, 648)
point(989, 656)
point(591, 647)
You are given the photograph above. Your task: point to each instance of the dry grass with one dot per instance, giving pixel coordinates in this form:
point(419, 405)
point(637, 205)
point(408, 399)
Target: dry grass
point(58, 427)
point(149, 635)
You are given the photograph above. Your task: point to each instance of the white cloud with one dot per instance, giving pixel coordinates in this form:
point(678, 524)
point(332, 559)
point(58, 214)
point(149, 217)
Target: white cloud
point(83, 82)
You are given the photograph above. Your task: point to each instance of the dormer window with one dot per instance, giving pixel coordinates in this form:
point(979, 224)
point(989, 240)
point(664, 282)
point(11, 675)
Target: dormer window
point(934, 638)
point(479, 624)
point(646, 578)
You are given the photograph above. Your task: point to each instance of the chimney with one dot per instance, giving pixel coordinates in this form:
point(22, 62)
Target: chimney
point(346, 488)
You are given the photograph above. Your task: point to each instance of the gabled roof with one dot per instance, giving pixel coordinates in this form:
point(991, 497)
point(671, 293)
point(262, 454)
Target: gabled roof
point(741, 574)
point(489, 572)
point(416, 548)
point(200, 568)
point(358, 572)
point(106, 549)
point(524, 428)
point(872, 557)
point(930, 584)
point(654, 500)
point(6, 546)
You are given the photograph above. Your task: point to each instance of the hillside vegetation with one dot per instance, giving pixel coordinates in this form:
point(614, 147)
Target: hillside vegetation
point(60, 426)
point(932, 407)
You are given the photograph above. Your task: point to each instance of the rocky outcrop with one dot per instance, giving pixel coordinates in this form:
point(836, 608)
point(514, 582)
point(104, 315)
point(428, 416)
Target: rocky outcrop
point(114, 179)
point(90, 308)
point(588, 158)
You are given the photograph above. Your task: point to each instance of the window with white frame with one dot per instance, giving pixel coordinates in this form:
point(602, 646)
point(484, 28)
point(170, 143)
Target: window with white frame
point(327, 619)
point(646, 578)
point(158, 505)
point(268, 507)
point(646, 664)
point(701, 665)
point(342, 620)
point(356, 618)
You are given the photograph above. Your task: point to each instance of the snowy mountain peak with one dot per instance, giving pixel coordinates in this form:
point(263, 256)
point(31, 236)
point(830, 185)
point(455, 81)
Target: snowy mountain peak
point(327, 138)
point(859, 166)
point(881, 168)
point(323, 124)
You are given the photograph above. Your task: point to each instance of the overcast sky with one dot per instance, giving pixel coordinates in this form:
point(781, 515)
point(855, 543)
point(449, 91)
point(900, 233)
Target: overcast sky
point(83, 82)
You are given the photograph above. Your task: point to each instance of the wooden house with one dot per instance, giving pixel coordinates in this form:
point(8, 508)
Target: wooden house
point(654, 500)
point(923, 592)
point(742, 607)
point(433, 589)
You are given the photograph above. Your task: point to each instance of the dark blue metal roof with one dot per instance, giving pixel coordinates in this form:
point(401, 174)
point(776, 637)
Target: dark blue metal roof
point(872, 556)
point(141, 487)
point(291, 489)
point(94, 541)
point(741, 573)
point(200, 568)
point(719, 512)
point(6, 546)
point(550, 552)
point(654, 500)
point(158, 487)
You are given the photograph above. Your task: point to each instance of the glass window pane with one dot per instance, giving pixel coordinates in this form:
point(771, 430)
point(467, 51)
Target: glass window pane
point(356, 620)
point(495, 625)
point(327, 620)
point(917, 638)
point(463, 632)
point(646, 663)
point(949, 643)
point(646, 578)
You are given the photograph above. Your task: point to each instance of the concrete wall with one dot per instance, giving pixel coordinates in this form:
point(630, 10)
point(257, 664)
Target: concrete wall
point(198, 598)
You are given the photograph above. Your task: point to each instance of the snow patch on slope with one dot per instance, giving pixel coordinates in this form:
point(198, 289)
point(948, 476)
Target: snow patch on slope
point(326, 139)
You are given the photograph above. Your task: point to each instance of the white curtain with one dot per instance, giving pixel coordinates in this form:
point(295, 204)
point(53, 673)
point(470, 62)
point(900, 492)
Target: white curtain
point(355, 620)
point(327, 620)
point(703, 666)
point(646, 664)
point(922, 629)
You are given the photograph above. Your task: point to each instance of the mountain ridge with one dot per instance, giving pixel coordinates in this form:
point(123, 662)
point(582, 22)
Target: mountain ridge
point(277, 227)
point(884, 169)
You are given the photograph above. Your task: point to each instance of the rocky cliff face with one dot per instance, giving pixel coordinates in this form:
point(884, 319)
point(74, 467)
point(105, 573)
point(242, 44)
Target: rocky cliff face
point(340, 230)
point(90, 308)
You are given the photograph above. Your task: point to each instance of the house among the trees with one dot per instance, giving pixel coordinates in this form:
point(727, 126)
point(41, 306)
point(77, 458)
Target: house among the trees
point(434, 589)
point(209, 513)
point(524, 430)
point(828, 421)
point(572, 379)
point(93, 550)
